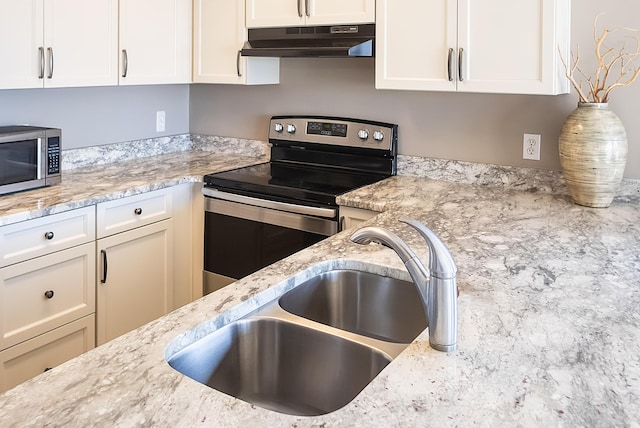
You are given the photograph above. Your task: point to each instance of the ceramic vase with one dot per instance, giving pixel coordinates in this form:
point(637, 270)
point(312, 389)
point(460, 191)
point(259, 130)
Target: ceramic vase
point(593, 154)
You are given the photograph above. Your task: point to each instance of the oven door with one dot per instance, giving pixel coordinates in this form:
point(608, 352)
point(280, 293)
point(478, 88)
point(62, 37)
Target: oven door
point(244, 234)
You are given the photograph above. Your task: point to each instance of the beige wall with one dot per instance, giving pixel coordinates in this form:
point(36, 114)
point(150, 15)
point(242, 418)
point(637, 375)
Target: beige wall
point(472, 127)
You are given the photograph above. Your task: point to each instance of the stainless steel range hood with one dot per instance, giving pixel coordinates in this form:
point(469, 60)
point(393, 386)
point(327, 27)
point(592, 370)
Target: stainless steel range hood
point(335, 41)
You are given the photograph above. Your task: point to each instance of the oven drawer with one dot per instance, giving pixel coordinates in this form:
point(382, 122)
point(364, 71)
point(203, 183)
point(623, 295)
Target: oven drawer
point(33, 238)
point(124, 214)
point(241, 239)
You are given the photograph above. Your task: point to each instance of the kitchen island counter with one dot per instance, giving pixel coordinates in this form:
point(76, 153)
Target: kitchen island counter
point(549, 331)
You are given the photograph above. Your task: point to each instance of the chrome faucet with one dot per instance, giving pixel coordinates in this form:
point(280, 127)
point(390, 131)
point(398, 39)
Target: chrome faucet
point(437, 285)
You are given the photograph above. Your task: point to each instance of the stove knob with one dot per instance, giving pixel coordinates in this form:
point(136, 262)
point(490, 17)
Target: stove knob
point(363, 134)
point(278, 127)
point(378, 136)
point(291, 129)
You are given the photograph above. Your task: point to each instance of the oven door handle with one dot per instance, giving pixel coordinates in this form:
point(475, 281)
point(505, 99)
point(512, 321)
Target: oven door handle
point(265, 203)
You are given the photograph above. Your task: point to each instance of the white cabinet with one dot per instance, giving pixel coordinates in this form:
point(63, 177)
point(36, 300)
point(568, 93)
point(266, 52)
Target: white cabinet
point(278, 13)
point(21, 22)
point(34, 356)
point(219, 34)
point(47, 293)
point(155, 41)
point(351, 217)
point(41, 294)
point(135, 262)
point(496, 46)
point(135, 279)
point(58, 43)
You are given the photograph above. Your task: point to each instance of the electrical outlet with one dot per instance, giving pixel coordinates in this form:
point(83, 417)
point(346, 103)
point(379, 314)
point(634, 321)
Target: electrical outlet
point(531, 146)
point(160, 121)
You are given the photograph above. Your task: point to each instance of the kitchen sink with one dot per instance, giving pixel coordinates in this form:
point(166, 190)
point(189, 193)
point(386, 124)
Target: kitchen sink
point(281, 365)
point(313, 349)
point(360, 302)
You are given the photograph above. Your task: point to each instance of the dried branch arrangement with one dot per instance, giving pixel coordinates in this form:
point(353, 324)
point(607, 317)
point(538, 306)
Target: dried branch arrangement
point(616, 68)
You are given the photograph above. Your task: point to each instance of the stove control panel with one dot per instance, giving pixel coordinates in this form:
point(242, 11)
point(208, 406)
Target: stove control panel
point(330, 130)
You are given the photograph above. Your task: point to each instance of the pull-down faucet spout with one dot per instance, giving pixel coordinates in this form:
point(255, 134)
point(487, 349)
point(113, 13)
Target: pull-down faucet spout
point(437, 285)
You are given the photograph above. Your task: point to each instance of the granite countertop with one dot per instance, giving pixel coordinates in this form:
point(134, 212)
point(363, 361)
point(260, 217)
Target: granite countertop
point(90, 185)
point(549, 331)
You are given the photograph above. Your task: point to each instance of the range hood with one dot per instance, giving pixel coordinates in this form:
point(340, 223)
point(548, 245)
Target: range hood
point(332, 41)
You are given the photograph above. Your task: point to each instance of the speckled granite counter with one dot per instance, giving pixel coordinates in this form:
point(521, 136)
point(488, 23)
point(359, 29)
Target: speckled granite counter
point(90, 185)
point(549, 330)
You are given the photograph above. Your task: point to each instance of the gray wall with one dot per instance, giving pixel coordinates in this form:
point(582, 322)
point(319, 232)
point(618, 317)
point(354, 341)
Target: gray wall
point(472, 127)
point(100, 115)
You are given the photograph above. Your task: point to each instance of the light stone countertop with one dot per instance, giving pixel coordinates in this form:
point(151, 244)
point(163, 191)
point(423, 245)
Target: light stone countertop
point(549, 326)
point(98, 183)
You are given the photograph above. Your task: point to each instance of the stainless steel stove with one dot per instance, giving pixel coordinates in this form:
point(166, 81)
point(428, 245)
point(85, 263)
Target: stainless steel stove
point(260, 214)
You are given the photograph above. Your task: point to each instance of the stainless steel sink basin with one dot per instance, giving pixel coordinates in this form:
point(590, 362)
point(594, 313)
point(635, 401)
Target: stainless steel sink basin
point(360, 302)
point(281, 365)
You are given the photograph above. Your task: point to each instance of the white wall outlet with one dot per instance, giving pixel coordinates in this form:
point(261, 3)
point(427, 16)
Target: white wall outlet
point(160, 121)
point(531, 146)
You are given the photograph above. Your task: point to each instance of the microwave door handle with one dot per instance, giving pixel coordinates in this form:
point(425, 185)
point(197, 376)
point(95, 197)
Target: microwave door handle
point(39, 165)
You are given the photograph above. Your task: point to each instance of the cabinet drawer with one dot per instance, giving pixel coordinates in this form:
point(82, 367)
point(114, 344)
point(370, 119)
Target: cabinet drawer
point(28, 359)
point(128, 213)
point(44, 235)
point(41, 294)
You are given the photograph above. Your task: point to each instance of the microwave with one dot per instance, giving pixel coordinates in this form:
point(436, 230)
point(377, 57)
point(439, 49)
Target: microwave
point(29, 158)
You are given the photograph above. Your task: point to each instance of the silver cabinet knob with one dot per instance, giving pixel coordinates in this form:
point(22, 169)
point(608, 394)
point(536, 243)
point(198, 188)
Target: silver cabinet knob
point(291, 128)
point(363, 134)
point(278, 127)
point(378, 135)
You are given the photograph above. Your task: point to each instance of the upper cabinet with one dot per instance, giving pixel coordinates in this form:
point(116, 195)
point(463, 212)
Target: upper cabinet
point(155, 41)
point(491, 46)
point(219, 34)
point(58, 43)
point(282, 13)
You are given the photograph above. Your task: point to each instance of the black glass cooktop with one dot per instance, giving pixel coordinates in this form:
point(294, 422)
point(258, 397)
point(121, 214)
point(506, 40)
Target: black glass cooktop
point(290, 183)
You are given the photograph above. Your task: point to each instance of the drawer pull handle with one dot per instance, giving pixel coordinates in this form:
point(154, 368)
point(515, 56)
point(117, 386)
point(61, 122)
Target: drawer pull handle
point(137, 211)
point(104, 266)
point(49, 235)
point(49, 294)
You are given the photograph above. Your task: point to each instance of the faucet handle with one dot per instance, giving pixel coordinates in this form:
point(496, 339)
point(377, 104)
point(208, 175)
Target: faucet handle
point(441, 263)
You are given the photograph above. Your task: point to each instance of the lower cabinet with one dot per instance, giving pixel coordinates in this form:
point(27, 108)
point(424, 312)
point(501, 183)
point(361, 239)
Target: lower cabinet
point(351, 217)
point(47, 307)
point(135, 279)
point(46, 351)
point(62, 291)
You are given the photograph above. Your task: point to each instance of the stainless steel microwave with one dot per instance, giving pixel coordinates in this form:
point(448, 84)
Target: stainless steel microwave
point(29, 157)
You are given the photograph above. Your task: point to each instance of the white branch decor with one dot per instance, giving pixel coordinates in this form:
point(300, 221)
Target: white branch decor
point(616, 67)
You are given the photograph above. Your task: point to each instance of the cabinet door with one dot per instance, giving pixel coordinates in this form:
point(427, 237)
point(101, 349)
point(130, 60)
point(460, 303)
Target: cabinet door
point(135, 279)
point(41, 294)
point(155, 41)
point(218, 35)
point(22, 57)
point(275, 13)
point(128, 213)
point(329, 12)
point(80, 38)
point(416, 44)
point(352, 217)
point(42, 353)
point(512, 47)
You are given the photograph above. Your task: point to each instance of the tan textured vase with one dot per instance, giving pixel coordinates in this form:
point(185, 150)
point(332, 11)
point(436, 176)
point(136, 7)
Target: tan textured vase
point(593, 154)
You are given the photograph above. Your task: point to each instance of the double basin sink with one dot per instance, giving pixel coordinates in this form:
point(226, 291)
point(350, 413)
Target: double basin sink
point(312, 350)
